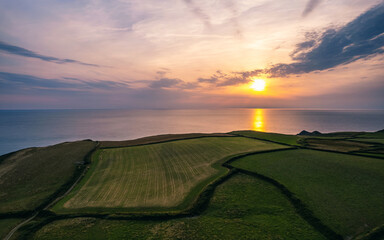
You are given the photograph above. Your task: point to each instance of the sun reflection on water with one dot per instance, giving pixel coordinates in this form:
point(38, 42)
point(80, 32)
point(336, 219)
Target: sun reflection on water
point(258, 120)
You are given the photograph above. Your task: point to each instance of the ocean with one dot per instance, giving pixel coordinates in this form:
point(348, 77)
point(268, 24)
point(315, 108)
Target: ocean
point(33, 128)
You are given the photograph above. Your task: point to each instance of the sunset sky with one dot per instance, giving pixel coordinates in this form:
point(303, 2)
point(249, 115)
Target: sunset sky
point(191, 54)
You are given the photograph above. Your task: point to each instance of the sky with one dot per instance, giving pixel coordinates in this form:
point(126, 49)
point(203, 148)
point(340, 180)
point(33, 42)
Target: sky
point(150, 54)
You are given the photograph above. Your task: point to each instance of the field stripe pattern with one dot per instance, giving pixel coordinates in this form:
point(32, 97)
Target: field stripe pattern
point(157, 175)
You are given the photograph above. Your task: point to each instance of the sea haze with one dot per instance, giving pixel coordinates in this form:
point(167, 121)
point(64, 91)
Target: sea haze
point(32, 128)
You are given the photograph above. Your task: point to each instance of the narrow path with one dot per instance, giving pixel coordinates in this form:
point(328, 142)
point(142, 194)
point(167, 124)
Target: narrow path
point(308, 216)
point(10, 234)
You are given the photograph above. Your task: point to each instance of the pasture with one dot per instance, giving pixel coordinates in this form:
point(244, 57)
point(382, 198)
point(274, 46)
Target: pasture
point(346, 192)
point(275, 137)
point(337, 145)
point(29, 176)
point(158, 139)
point(243, 207)
point(7, 224)
point(154, 177)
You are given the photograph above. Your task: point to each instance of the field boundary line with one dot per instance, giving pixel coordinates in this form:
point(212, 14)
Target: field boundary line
point(376, 233)
point(197, 207)
point(345, 153)
point(48, 203)
point(262, 139)
point(229, 135)
point(304, 147)
point(300, 207)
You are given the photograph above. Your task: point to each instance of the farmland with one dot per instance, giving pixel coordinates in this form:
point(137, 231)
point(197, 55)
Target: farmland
point(155, 176)
point(345, 192)
point(275, 137)
point(7, 224)
point(158, 139)
point(28, 177)
point(243, 184)
point(264, 213)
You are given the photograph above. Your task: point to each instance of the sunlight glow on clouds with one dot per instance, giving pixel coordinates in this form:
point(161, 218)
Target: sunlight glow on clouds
point(189, 53)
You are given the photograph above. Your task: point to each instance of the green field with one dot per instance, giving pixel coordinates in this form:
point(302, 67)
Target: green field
point(378, 134)
point(242, 208)
point(346, 192)
point(159, 139)
point(275, 137)
point(28, 177)
point(337, 145)
point(157, 176)
point(7, 224)
point(370, 140)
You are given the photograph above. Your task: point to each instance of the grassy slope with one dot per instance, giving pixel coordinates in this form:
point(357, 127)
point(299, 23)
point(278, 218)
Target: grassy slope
point(370, 140)
point(345, 192)
point(157, 139)
point(7, 224)
point(276, 137)
point(379, 134)
point(154, 177)
point(29, 176)
point(263, 214)
point(337, 145)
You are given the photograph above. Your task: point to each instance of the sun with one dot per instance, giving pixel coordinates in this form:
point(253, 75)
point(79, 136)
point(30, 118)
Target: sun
point(258, 85)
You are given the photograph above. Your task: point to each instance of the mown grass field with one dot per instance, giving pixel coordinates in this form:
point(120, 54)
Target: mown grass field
point(242, 208)
point(165, 175)
point(158, 139)
point(28, 177)
point(346, 192)
point(275, 137)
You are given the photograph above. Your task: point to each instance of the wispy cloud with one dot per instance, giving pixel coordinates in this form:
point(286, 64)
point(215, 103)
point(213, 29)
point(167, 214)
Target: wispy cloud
point(19, 51)
point(12, 81)
point(362, 38)
point(231, 6)
point(199, 13)
point(174, 83)
point(311, 5)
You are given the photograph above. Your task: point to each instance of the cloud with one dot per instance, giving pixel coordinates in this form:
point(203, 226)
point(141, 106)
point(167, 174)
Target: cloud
point(165, 83)
point(231, 6)
point(14, 81)
point(208, 80)
point(361, 38)
point(199, 13)
point(311, 5)
point(19, 51)
point(172, 83)
point(220, 79)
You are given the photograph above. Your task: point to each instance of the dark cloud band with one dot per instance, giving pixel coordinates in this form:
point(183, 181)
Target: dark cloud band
point(361, 38)
point(19, 51)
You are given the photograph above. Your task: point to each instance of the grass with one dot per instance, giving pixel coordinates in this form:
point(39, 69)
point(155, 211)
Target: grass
point(7, 224)
point(154, 177)
point(370, 140)
point(158, 139)
point(345, 192)
point(337, 145)
point(263, 214)
point(28, 177)
point(275, 137)
point(378, 134)
point(372, 154)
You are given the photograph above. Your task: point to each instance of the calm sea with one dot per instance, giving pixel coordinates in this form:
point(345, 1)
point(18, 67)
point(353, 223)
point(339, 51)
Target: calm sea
point(30, 128)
